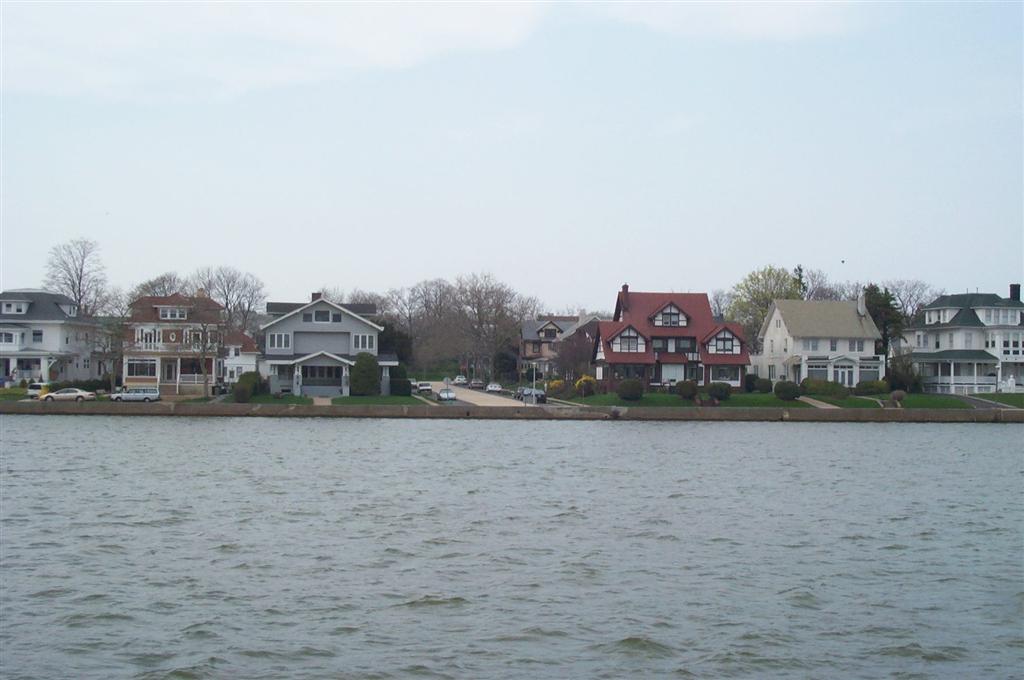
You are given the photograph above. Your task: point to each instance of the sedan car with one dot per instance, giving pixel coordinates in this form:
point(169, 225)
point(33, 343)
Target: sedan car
point(424, 387)
point(446, 394)
point(460, 380)
point(476, 384)
point(493, 387)
point(533, 396)
point(70, 394)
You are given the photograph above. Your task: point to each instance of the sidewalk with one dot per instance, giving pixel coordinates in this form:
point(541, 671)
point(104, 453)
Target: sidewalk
point(815, 403)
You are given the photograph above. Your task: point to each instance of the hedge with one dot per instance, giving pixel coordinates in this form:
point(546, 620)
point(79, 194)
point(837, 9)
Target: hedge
point(764, 385)
point(401, 387)
point(687, 389)
point(365, 380)
point(786, 390)
point(749, 382)
point(630, 390)
point(824, 388)
point(871, 387)
point(719, 390)
point(242, 392)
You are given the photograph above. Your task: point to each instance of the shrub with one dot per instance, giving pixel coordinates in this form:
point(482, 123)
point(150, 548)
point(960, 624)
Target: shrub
point(242, 392)
point(365, 380)
point(630, 390)
point(253, 381)
point(823, 387)
point(719, 390)
point(750, 382)
point(23, 384)
point(786, 390)
point(399, 372)
point(898, 395)
point(902, 375)
point(871, 387)
point(586, 386)
point(764, 385)
point(401, 387)
point(687, 389)
point(556, 386)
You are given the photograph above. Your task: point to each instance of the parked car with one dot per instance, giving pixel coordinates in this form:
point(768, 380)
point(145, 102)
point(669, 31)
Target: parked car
point(70, 394)
point(518, 394)
point(493, 387)
point(476, 384)
point(137, 394)
point(34, 389)
point(446, 394)
point(459, 380)
point(424, 387)
point(528, 396)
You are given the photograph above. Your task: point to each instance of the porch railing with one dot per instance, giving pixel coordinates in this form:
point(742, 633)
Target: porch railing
point(958, 380)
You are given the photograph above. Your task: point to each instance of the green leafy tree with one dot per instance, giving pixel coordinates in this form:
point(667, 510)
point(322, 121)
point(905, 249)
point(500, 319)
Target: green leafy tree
point(751, 297)
point(886, 314)
point(365, 376)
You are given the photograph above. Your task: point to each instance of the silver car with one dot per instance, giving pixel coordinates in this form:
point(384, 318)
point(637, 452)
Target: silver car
point(446, 394)
point(70, 394)
point(137, 394)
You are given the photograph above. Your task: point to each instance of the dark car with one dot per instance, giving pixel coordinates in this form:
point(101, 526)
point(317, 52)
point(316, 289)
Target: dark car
point(476, 384)
point(530, 395)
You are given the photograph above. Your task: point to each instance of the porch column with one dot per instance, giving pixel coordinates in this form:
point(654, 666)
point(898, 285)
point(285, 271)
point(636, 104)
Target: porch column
point(975, 376)
point(177, 377)
point(952, 379)
point(344, 381)
point(44, 369)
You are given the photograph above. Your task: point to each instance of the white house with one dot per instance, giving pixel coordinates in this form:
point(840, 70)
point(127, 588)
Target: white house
point(971, 342)
point(42, 337)
point(820, 339)
point(240, 356)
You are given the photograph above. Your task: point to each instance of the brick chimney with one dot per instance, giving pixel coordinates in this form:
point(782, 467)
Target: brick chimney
point(1015, 292)
point(625, 296)
point(315, 296)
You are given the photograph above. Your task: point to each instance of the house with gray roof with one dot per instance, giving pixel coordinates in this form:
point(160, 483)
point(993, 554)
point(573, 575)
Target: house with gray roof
point(309, 348)
point(540, 338)
point(43, 338)
point(819, 339)
point(969, 342)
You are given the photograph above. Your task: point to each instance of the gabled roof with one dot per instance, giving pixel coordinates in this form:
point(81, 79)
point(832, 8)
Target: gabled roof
point(306, 305)
point(200, 308)
point(360, 308)
point(240, 339)
point(823, 319)
point(962, 300)
point(733, 328)
point(43, 306)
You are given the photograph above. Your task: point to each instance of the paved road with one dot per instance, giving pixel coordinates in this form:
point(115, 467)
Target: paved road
point(476, 397)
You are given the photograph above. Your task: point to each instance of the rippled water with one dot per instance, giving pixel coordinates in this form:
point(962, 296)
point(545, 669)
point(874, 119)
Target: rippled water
point(266, 548)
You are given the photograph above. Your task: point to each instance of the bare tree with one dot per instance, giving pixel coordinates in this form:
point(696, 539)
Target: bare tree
point(76, 270)
point(109, 339)
point(241, 294)
point(911, 294)
point(166, 284)
point(720, 300)
point(574, 355)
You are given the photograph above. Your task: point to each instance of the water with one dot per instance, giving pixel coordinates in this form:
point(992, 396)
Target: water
point(270, 548)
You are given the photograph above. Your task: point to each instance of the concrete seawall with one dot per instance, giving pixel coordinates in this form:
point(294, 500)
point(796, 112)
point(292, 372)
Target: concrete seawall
point(800, 415)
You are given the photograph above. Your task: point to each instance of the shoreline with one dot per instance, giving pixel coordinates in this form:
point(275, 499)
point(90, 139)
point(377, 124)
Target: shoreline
point(595, 413)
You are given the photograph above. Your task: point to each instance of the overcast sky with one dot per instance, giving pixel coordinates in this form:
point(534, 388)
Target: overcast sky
point(565, 149)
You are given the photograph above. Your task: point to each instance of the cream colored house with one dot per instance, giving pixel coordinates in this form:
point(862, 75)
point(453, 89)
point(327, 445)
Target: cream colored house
point(820, 339)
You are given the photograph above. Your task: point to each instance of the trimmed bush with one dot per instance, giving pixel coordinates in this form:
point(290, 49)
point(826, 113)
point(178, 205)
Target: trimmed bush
point(719, 390)
point(750, 382)
point(586, 386)
point(898, 395)
point(23, 384)
point(824, 388)
point(763, 385)
point(401, 387)
point(365, 380)
point(253, 381)
point(242, 392)
point(399, 372)
point(687, 389)
point(871, 387)
point(786, 390)
point(630, 390)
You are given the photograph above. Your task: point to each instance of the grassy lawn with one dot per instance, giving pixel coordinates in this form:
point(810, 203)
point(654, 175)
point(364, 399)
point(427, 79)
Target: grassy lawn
point(930, 401)
point(197, 400)
point(377, 400)
point(648, 399)
point(1004, 398)
point(12, 393)
point(759, 400)
point(270, 399)
point(847, 402)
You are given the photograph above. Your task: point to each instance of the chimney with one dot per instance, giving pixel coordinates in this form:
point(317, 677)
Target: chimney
point(862, 307)
point(315, 296)
point(1015, 292)
point(201, 293)
point(625, 296)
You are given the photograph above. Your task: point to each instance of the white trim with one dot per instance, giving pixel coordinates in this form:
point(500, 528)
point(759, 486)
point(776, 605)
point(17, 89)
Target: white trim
point(332, 304)
point(294, 362)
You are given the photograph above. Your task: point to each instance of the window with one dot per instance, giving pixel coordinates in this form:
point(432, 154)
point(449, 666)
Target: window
point(988, 316)
point(14, 308)
point(237, 351)
point(724, 345)
point(771, 345)
point(778, 323)
point(336, 317)
point(951, 341)
point(372, 339)
point(85, 363)
point(368, 342)
point(968, 340)
point(307, 317)
point(141, 368)
point(833, 344)
point(322, 316)
point(670, 318)
point(172, 313)
point(279, 340)
point(37, 336)
point(535, 347)
point(550, 333)
point(771, 371)
point(659, 344)
point(628, 341)
point(7, 338)
point(810, 344)
point(856, 345)
point(686, 345)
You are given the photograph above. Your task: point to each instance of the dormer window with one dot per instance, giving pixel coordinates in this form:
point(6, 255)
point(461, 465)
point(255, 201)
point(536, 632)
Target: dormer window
point(724, 344)
point(628, 341)
point(172, 313)
point(669, 316)
point(15, 307)
point(550, 333)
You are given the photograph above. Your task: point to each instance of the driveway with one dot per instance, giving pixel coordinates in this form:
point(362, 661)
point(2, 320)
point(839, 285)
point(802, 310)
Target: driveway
point(476, 397)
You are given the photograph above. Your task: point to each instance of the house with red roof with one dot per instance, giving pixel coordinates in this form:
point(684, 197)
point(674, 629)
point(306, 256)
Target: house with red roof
point(240, 355)
point(664, 338)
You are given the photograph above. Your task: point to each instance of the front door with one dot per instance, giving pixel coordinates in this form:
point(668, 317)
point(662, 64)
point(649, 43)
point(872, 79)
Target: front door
point(169, 372)
point(844, 375)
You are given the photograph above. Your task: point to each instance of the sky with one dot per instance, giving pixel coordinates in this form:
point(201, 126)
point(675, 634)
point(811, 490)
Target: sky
point(566, 149)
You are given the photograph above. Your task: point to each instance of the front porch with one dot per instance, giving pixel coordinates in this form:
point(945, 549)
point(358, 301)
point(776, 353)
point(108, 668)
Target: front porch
point(34, 368)
point(318, 376)
point(841, 369)
point(957, 374)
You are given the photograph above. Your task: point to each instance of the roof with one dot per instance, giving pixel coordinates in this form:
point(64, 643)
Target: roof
point(824, 319)
point(382, 359)
point(567, 325)
point(978, 355)
point(43, 306)
point(962, 300)
point(360, 308)
point(201, 308)
point(337, 306)
point(240, 339)
point(636, 310)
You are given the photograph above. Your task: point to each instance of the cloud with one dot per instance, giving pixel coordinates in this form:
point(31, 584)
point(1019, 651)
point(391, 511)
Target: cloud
point(739, 20)
point(127, 48)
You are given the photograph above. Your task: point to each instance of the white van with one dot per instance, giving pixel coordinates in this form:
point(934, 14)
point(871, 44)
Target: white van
point(137, 394)
point(34, 389)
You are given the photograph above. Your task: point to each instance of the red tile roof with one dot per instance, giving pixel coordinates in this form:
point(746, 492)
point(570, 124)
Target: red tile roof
point(638, 309)
point(238, 338)
point(200, 309)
